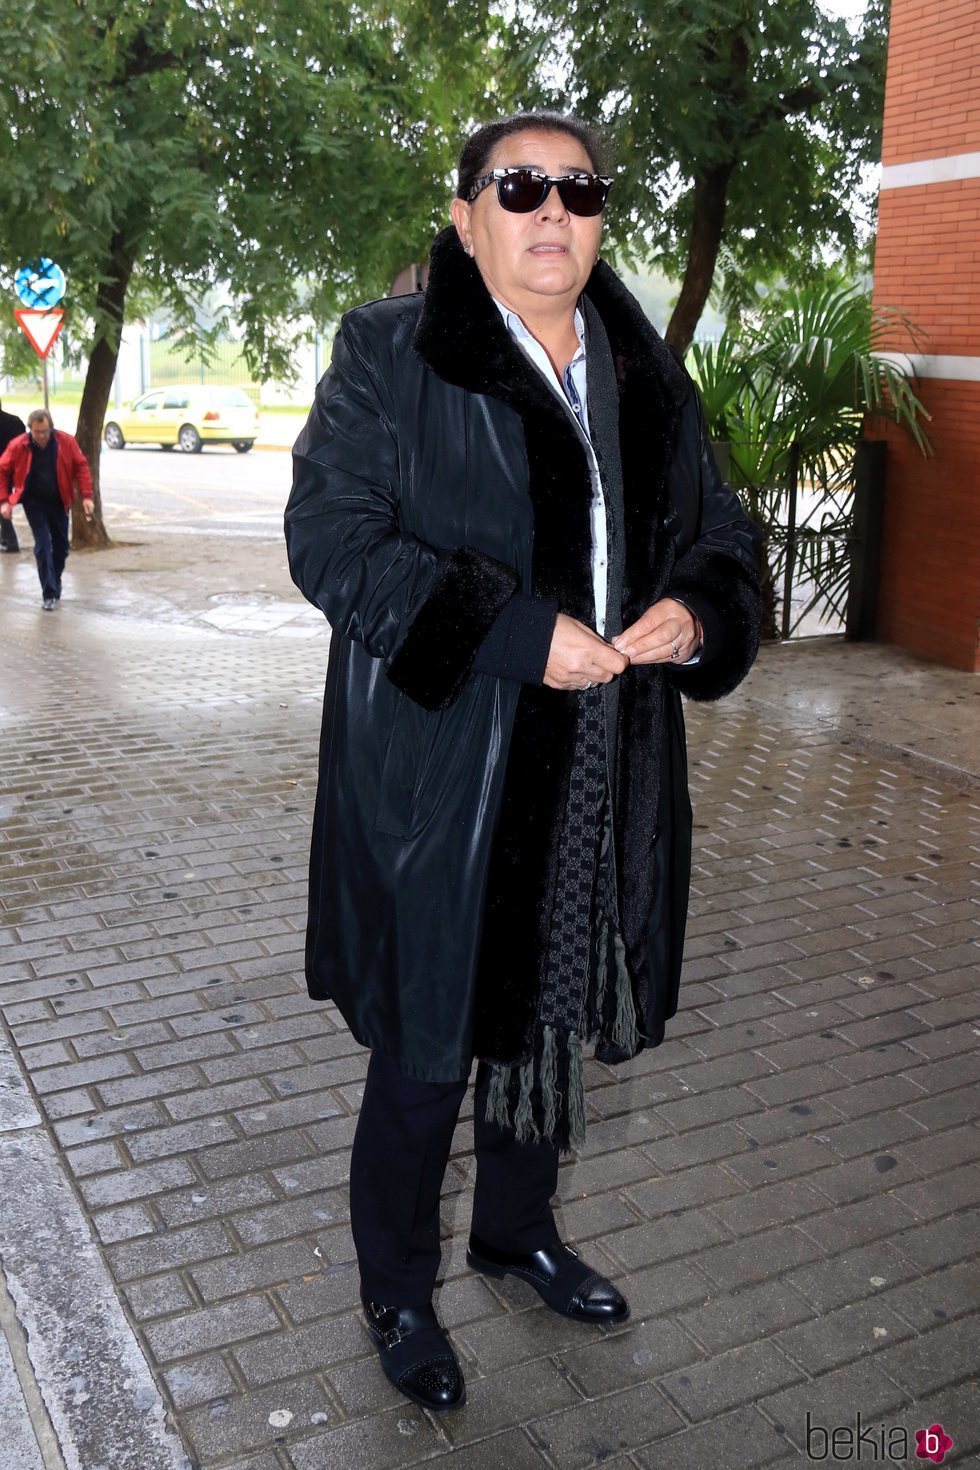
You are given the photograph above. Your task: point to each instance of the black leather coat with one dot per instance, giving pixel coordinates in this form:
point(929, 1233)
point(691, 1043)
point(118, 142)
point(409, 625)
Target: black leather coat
point(437, 476)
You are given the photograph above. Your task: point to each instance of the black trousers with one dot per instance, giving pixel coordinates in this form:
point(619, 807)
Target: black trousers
point(398, 1163)
point(8, 535)
point(49, 524)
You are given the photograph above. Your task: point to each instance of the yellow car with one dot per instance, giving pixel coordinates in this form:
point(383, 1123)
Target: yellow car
point(188, 416)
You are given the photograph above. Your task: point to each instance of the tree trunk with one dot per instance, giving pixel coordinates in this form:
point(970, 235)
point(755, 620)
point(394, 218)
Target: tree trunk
point(109, 314)
point(707, 227)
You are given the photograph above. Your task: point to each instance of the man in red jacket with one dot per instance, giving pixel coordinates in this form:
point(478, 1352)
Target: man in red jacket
point(42, 470)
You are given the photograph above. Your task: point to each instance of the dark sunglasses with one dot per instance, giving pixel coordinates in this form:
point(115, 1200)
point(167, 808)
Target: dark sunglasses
point(522, 190)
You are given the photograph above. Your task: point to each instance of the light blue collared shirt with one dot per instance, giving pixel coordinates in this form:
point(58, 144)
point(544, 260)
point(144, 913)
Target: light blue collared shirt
point(573, 393)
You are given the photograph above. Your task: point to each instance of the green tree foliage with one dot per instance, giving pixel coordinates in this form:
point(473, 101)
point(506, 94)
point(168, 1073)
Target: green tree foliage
point(747, 122)
point(155, 147)
point(790, 392)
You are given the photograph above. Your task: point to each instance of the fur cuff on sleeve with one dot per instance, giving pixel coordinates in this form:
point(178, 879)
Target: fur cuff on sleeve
point(436, 656)
point(725, 597)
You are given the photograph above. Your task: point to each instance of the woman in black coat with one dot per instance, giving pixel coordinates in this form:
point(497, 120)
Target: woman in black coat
point(504, 503)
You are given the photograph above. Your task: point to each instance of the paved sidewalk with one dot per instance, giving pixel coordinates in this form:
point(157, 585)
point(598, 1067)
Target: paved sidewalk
point(786, 1189)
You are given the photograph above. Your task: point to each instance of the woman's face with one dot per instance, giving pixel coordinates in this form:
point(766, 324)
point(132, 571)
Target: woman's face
point(537, 261)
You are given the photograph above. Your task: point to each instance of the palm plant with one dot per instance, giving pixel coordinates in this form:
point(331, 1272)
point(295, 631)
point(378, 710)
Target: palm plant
point(791, 392)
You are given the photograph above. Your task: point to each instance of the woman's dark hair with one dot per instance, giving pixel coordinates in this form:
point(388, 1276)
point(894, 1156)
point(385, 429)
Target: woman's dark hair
point(480, 145)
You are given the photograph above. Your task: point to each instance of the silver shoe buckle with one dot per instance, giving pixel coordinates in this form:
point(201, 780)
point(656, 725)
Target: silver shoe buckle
point(392, 1337)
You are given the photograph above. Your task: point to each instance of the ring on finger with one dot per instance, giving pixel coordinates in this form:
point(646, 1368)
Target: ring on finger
point(674, 650)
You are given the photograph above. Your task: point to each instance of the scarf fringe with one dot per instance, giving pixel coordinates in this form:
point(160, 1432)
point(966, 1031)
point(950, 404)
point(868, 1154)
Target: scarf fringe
point(624, 1032)
point(543, 1097)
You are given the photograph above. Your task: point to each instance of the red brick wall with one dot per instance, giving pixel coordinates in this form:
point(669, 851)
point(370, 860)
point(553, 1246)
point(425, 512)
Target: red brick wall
point(927, 264)
point(932, 101)
point(930, 580)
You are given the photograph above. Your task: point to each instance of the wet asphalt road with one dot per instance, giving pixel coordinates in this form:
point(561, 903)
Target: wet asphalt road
point(217, 492)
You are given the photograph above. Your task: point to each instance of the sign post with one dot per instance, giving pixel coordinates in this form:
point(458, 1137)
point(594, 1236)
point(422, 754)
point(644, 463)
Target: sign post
point(40, 284)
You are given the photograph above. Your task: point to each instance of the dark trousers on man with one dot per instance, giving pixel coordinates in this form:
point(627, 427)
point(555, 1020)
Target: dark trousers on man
point(49, 525)
point(8, 535)
point(398, 1162)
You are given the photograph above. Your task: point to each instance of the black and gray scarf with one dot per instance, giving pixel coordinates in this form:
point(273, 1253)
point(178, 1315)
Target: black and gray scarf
point(543, 1096)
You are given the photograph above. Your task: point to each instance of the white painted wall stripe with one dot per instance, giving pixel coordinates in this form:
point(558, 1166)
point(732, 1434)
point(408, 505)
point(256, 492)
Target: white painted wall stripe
point(935, 365)
point(931, 171)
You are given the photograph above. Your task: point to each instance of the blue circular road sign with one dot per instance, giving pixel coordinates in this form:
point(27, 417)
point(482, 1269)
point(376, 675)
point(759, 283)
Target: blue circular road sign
point(40, 283)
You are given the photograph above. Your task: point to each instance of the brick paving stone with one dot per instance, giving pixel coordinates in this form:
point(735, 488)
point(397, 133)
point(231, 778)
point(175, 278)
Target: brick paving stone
point(93, 1158)
point(204, 1201)
point(772, 1204)
point(931, 1199)
point(206, 1100)
point(701, 1145)
point(55, 1079)
point(271, 1116)
point(68, 1104)
point(636, 1355)
point(313, 1349)
point(362, 1389)
point(664, 1239)
point(336, 1288)
point(146, 1085)
point(217, 1326)
point(512, 1449)
point(158, 1296)
point(840, 1337)
point(852, 1275)
point(758, 1256)
point(508, 1399)
point(834, 1398)
point(699, 1185)
point(741, 1440)
point(159, 1143)
point(232, 1426)
point(596, 1431)
point(264, 1152)
point(199, 1380)
point(939, 1243)
point(259, 1268)
point(167, 1252)
point(743, 1374)
point(306, 1215)
point(126, 1222)
point(102, 1043)
point(864, 1176)
point(940, 1296)
point(263, 1461)
point(781, 1160)
point(743, 1315)
point(658, 1290)
point(402, 1436)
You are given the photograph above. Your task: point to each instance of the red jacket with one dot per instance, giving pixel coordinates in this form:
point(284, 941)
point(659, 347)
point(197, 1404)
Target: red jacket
point(15, 464)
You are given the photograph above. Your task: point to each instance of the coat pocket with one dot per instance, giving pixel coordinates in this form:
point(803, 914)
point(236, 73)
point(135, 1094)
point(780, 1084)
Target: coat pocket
point(413, 731)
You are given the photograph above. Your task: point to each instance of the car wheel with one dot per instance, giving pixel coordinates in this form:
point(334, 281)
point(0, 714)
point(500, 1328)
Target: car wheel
point(113, 436)
point(189, 439)
point(243, 445)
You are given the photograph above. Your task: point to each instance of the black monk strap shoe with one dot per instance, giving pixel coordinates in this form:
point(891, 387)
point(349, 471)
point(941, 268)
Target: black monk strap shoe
point(416, 1355)
point(564, 1283)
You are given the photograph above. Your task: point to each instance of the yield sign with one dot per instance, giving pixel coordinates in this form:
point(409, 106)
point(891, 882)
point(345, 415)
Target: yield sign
point(41, 328)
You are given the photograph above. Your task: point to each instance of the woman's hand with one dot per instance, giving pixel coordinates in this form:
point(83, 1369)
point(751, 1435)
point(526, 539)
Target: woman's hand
point(579, 658)
point(668, 632)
